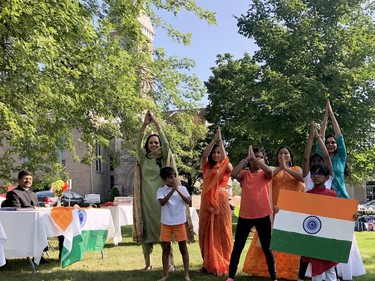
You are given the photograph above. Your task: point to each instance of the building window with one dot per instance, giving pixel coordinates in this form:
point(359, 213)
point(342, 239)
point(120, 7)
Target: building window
point(111, 168)
point(99, 156)
point(112, 180)
point(61, 156)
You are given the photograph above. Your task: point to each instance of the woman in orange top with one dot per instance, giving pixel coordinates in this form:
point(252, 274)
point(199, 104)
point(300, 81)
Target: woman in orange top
point(286, 176)
point(215, 216)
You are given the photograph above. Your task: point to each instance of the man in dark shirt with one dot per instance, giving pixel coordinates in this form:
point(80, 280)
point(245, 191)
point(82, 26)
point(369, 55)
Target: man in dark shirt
point(22, 196)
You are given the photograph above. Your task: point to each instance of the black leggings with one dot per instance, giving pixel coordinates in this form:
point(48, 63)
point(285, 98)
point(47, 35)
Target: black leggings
point(263, 227)
point(302, 269)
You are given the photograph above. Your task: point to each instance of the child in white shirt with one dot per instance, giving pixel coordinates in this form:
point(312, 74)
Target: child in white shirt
point(172, 198)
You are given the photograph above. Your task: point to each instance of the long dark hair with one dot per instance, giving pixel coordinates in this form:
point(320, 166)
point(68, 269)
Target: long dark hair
point(320, 167)
point(330, 136)
point(209, 158)
point(158, 160)
point(291, 162)
point(315, 155)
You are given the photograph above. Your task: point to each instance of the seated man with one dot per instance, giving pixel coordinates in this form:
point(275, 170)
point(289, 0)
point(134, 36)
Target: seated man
point(22, 196)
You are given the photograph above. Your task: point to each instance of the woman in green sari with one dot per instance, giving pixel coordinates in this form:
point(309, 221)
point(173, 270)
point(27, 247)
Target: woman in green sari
point(152, 155)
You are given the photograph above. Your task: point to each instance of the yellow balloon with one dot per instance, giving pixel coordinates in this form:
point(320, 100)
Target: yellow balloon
point(236, 211)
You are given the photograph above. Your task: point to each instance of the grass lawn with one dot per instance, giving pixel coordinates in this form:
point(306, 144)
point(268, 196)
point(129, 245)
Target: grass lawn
point(125, 261)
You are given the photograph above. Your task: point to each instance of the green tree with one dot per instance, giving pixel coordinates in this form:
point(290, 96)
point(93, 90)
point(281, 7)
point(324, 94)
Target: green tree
point(60, 71)
point(309, 51)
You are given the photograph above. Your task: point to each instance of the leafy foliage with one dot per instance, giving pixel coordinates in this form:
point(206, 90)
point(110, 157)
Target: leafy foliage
point(309, 51)
point(61, 69)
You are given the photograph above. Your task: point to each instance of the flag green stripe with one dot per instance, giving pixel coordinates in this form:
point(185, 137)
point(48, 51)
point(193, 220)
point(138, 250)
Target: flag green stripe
point(94, 240)
point(310, 246)
point(76, 253)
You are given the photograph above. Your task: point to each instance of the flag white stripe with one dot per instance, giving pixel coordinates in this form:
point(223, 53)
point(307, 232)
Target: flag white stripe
point(330, 227)
point(90, 221)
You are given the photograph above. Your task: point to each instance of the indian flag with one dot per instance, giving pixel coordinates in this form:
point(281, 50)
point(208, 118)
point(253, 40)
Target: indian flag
point(315, 226)
point(96, 232)
point(83, 230)
point(68, 221)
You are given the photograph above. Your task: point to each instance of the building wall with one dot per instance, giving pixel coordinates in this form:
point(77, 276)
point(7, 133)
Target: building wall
point(123, 174)
point(357, 192)
point(85, 178)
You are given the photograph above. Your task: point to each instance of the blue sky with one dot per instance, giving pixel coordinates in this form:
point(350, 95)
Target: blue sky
point(208, 40)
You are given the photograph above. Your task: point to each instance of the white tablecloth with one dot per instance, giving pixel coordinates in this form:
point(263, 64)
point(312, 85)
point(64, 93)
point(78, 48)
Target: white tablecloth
point(3, 239)
point(194, 219)
point(121, 215)
point(27, 232)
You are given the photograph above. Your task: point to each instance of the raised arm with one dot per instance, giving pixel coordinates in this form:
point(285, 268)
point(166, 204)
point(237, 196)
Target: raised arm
point(261, 164)
point(307, 152)
point(335, 124)
point(223, 154)
point(209, 147)
point(239, 167)
point(326, 158)
point(139, 147)
point(146, 121)
point(153, 120)
point(323, 125)
point(207, 152)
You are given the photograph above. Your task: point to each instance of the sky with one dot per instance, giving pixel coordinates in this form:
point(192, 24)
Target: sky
point(208, 40)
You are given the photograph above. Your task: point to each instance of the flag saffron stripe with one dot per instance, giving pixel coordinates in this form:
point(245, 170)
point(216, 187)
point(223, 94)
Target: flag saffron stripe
point(321, 226)
point(306, 245)
point(318, 205)
point(62, 216)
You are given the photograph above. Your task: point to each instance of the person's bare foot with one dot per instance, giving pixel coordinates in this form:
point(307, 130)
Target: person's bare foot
point(147, 268)
point(187, 278)
point(171, 268)
point(163, 278)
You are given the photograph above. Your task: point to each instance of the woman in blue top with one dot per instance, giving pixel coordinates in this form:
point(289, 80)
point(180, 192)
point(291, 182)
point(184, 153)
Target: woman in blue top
point(337, 151)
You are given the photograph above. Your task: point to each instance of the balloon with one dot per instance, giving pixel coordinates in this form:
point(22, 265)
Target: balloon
point(236, 211)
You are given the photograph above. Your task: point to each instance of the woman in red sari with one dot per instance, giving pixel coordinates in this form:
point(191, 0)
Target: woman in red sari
point(215, 216)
